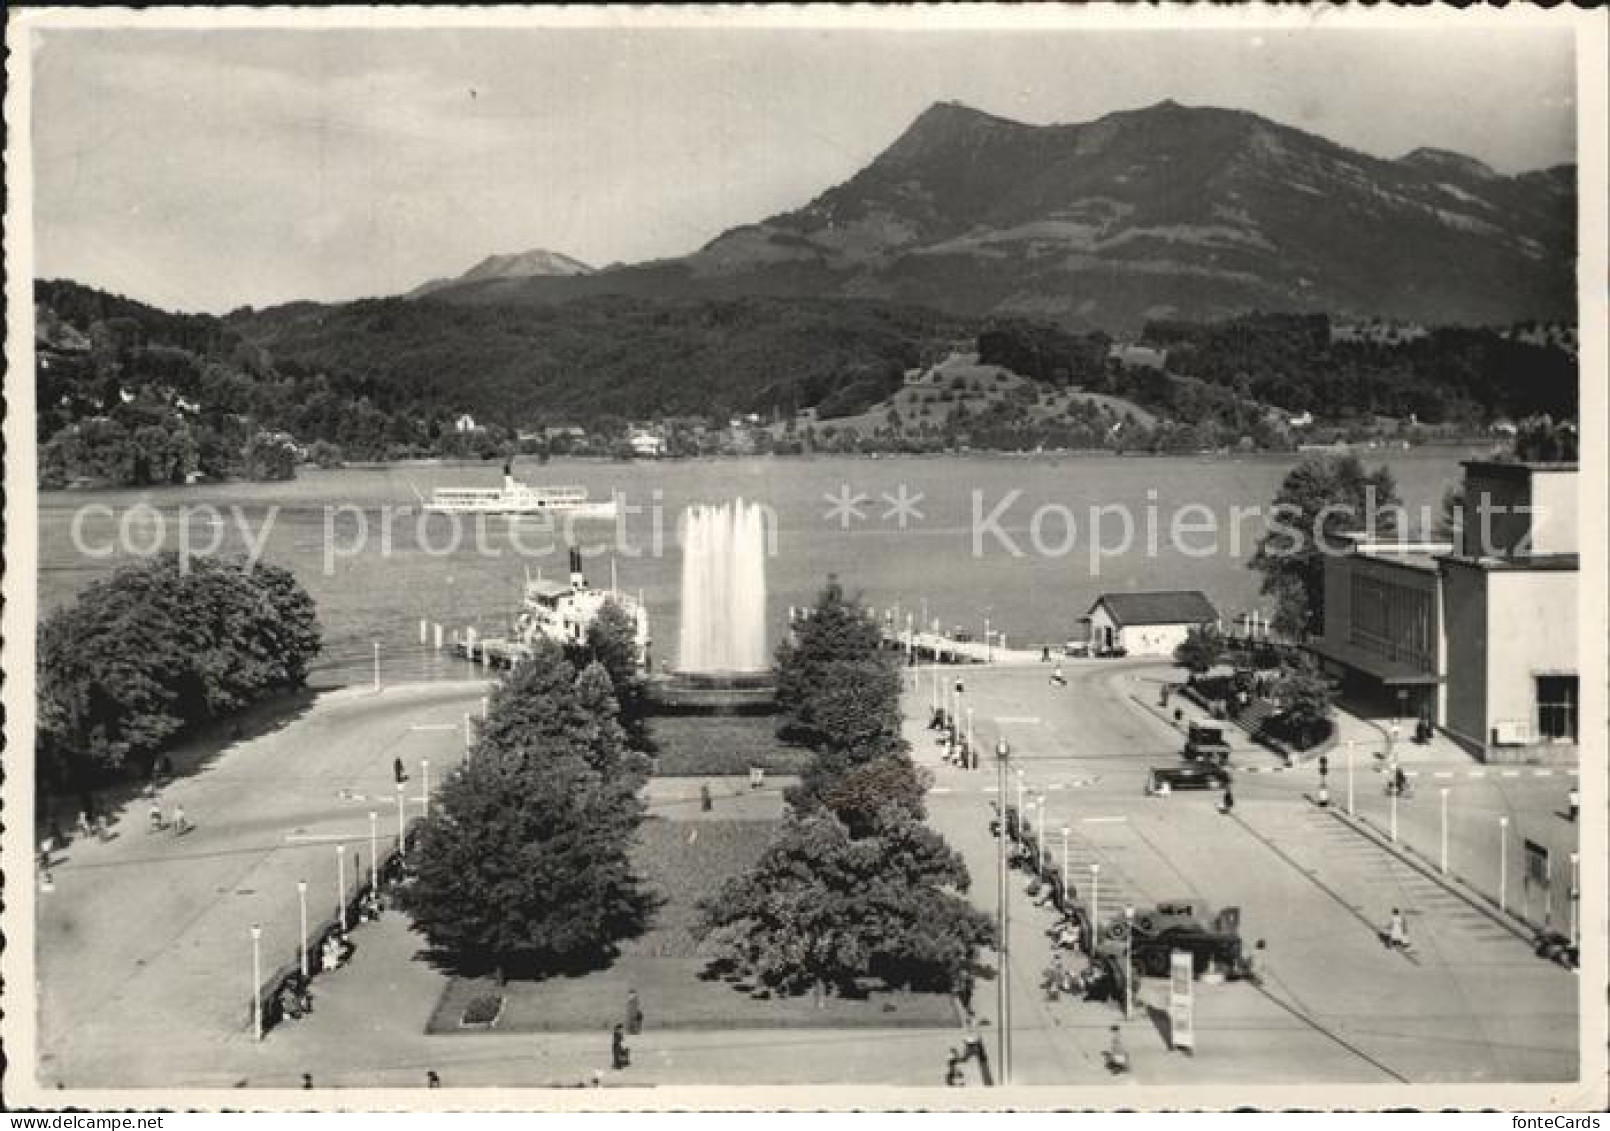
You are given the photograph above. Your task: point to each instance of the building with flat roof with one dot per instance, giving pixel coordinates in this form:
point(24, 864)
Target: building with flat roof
point(1477, 635)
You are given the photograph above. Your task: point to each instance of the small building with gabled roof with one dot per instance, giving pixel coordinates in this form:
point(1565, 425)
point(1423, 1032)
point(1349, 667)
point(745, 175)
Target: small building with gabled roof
point(1147, 624)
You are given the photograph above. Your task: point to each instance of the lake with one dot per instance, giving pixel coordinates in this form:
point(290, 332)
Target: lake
point(988, 537)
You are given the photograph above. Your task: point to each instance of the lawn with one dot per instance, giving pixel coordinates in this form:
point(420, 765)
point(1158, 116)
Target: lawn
point(682, 861)
point(722, 745)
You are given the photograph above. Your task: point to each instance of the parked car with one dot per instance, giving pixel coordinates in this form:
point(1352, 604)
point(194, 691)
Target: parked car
point(1206, 741)
point(1076, 648)
point(1175, 925)
point(1188, 775)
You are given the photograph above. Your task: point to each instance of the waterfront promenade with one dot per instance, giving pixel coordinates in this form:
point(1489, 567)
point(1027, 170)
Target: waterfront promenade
point(143, 952)
point(145, 959)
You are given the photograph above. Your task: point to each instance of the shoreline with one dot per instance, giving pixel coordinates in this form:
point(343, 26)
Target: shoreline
point(1048, 455)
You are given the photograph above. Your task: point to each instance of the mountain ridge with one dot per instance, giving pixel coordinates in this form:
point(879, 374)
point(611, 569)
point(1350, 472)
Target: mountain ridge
point(1167, 211)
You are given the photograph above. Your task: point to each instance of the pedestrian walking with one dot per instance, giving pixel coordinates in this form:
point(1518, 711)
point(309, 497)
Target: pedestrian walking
point(634, 1013)
point(180, 824)
point(620, 1056)
point(705, 803)
point(1227, 806)
point(307, 1081)
point(1117, 1056)
point(431, 1079)
point(1397, 931)
point(1323, 796)
point(953, 1070)
point(757, 777)
point(156, 824)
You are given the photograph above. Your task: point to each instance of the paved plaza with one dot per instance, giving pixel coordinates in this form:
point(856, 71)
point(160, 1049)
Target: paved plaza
point(144, 957)
point(1471, 1002)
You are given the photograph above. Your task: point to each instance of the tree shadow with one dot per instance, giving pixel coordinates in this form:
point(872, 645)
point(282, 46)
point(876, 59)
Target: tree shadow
point(110, 793)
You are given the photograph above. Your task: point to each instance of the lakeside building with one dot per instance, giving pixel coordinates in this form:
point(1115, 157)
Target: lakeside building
point(647, 442)
point(1147, 624)
point(1476, 636)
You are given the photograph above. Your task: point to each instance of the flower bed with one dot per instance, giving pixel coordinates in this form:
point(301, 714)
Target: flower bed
point(482, 1012)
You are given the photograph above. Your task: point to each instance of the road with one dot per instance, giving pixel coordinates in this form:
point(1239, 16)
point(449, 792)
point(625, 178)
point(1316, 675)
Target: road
point(143, 950)
point(1471, 1003)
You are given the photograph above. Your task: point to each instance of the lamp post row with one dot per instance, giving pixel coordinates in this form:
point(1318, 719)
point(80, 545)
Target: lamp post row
point(256, 931)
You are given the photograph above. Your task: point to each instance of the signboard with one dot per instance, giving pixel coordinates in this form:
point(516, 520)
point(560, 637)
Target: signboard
point(1181, 1026)
point(1537, 875)
point(1537, 864)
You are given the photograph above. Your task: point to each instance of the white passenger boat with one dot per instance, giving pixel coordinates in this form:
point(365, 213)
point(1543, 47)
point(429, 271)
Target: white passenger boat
point(520, 500)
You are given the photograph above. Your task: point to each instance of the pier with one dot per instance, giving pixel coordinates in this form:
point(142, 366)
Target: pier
point(937, 648)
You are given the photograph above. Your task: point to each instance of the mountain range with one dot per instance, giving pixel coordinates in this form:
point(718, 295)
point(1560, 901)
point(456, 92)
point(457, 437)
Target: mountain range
point(1168, 212)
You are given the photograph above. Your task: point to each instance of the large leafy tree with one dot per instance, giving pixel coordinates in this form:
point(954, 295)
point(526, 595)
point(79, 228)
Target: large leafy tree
point(854, 708)
point(860, 792)
point(611, 641)
point(1305, 697)
point(523, 867)
point(1320, 499)
point(823, 910)
point(833, 630)
point(157, 647)
point(1201, 650)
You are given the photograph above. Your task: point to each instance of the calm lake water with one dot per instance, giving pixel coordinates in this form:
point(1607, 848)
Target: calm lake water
point(988, 537)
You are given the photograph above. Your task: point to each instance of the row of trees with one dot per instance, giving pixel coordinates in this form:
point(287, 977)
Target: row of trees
point(855, 886)
point(523, 867)
point(157, 648)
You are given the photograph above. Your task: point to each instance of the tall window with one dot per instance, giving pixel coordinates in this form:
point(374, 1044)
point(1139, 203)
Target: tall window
point(1556, 707)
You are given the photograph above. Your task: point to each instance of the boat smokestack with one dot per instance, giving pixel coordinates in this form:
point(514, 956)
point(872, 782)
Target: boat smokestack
point(578, 580)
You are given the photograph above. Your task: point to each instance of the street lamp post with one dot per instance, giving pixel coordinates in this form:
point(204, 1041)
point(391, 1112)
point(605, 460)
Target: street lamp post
point(1443, 855)
point(969, 730)
point(468, 741)
point(402, 832)
point(1095, 902)
point(301, 942)
point(341, 884)
point(1067, 880)
point(1039, 835)
point(1019, 774)
point(1575, 893)
point(1129, 960)
point(1003, 1006)
point(1503, 863)
point(424, 785)
point(1350, 777)
point(257, 982)
point(374, 856)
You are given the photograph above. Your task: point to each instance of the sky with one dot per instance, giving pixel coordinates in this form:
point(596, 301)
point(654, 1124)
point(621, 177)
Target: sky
point(206, 170)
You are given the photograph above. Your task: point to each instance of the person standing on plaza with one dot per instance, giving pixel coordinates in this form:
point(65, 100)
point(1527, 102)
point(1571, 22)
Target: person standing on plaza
point(634, 1013)
point(620, 1056)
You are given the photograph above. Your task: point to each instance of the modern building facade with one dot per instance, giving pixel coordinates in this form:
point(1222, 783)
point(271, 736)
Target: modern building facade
point(1477, 636)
